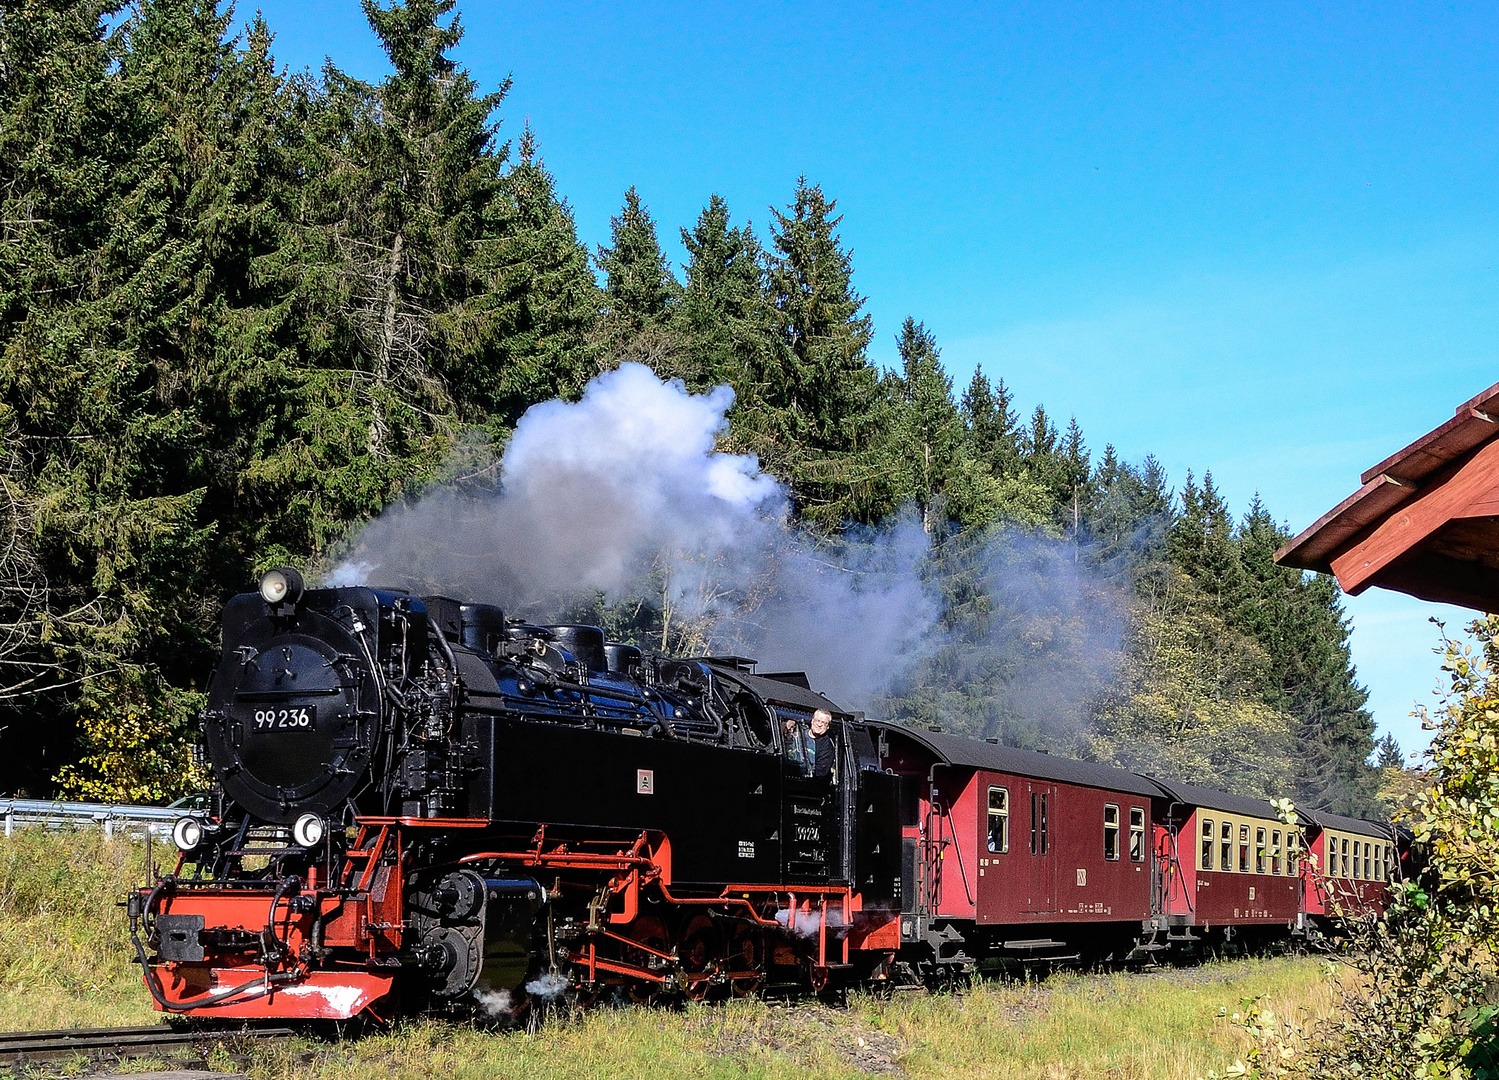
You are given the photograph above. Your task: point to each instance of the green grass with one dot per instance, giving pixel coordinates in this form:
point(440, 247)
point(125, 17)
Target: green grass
point(65, 957)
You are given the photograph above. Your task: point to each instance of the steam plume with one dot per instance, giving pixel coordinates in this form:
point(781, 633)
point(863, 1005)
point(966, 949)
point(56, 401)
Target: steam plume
point(623, 494)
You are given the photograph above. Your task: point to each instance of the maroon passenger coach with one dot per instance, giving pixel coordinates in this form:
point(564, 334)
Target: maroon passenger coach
point(1026, 855)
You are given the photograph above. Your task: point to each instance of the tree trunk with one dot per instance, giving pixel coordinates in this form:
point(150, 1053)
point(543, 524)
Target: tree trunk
point(387, 349)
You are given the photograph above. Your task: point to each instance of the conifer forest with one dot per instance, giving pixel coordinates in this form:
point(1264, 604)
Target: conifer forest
point(243, 310)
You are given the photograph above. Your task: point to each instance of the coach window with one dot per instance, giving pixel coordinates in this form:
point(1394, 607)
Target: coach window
point(1275, 852)
point(1043, 824)
point(1137, 833)
point(1292, 858)
point(1243, 849)
point(1368, 870)
point(1207, 844)
point(1226, 847)
point(1259, 851)
point(1347, 869)
point(999, 819)
point(1110, 831)
point(1038, 823)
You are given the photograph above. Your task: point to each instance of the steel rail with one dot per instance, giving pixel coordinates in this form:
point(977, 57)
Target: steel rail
point(23, 1046)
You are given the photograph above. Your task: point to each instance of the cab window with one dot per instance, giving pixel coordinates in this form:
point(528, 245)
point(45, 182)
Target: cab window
point(1137, 833)
point(1206, 859)
point(999, 819)
point(1111, 831)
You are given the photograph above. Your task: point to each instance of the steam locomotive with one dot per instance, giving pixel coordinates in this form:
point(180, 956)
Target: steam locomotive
point(419, 802)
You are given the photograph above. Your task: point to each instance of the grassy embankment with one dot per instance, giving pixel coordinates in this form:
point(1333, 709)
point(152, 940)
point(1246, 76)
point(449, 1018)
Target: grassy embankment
point(65, 960)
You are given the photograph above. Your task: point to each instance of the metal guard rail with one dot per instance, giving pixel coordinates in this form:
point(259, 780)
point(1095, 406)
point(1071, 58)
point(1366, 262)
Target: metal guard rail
point(136, 820)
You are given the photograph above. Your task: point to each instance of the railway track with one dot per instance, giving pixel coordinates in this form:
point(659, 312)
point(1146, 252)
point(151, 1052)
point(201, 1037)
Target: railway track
point(19, 1047)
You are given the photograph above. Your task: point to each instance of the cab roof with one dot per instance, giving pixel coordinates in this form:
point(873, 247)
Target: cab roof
point(781, 692)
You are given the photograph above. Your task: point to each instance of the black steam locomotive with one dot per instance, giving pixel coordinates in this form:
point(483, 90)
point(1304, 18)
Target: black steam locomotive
point(421, 800)
point(422, 803)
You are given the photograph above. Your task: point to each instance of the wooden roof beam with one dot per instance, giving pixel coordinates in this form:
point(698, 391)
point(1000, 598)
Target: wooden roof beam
point(1470, 489)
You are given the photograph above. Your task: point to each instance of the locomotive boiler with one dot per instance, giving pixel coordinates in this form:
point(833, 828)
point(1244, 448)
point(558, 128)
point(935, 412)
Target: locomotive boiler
point(420, 801)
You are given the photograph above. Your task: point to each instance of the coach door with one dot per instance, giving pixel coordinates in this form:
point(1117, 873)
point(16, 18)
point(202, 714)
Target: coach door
point(1041, 893)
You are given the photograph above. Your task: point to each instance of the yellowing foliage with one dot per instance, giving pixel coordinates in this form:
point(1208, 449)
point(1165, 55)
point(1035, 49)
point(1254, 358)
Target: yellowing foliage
point(137, 739)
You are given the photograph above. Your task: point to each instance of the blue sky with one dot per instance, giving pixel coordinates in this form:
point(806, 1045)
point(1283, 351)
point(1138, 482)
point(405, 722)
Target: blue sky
point(1257, 239)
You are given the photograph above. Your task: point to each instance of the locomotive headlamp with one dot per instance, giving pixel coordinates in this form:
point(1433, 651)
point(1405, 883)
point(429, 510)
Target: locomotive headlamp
point(282, 585)
point(309, 830)
point(187, 834)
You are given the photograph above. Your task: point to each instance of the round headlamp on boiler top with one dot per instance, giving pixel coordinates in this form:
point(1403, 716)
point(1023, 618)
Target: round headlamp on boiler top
point(282, 585)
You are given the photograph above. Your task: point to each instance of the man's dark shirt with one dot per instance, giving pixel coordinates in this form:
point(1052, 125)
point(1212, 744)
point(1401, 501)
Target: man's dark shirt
point(822, 755)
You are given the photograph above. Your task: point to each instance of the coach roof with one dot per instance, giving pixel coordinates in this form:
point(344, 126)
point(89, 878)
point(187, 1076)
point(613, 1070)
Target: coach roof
point(960, 750)
point(1212, 799)
point(1323, 820)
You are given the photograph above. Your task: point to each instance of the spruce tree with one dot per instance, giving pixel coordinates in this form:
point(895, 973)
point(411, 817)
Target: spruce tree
point(540, 293)
point(818, 414)
point(927, 447)
point(992, 423)
point(819, 378)
point(416, 179)
point(723, 312)
point(640, 291)
point(1301, 624)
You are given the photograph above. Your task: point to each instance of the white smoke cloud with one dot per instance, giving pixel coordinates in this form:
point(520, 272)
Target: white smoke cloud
point(496, 1004)
point(548, 986)
point(804, 924)
point(624, 493)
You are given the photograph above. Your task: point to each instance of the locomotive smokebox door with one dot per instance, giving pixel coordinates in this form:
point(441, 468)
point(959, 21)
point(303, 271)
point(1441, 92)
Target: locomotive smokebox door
point(289, 721)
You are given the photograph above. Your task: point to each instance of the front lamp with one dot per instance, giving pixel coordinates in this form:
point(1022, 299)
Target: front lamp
point(282, 585)
point(309, 830)
point(187, 834)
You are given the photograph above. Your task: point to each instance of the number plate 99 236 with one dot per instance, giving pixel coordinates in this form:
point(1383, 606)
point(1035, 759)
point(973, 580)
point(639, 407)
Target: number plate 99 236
point(303, 719)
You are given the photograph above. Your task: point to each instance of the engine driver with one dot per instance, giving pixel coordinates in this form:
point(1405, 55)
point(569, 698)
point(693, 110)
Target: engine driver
point(814, 751)
point(822, 743)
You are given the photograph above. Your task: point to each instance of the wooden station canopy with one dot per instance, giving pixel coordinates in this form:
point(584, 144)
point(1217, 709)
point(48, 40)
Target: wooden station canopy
point(1426, 521)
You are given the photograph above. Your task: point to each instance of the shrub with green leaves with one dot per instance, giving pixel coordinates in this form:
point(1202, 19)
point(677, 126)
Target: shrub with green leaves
point(1423, 997)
